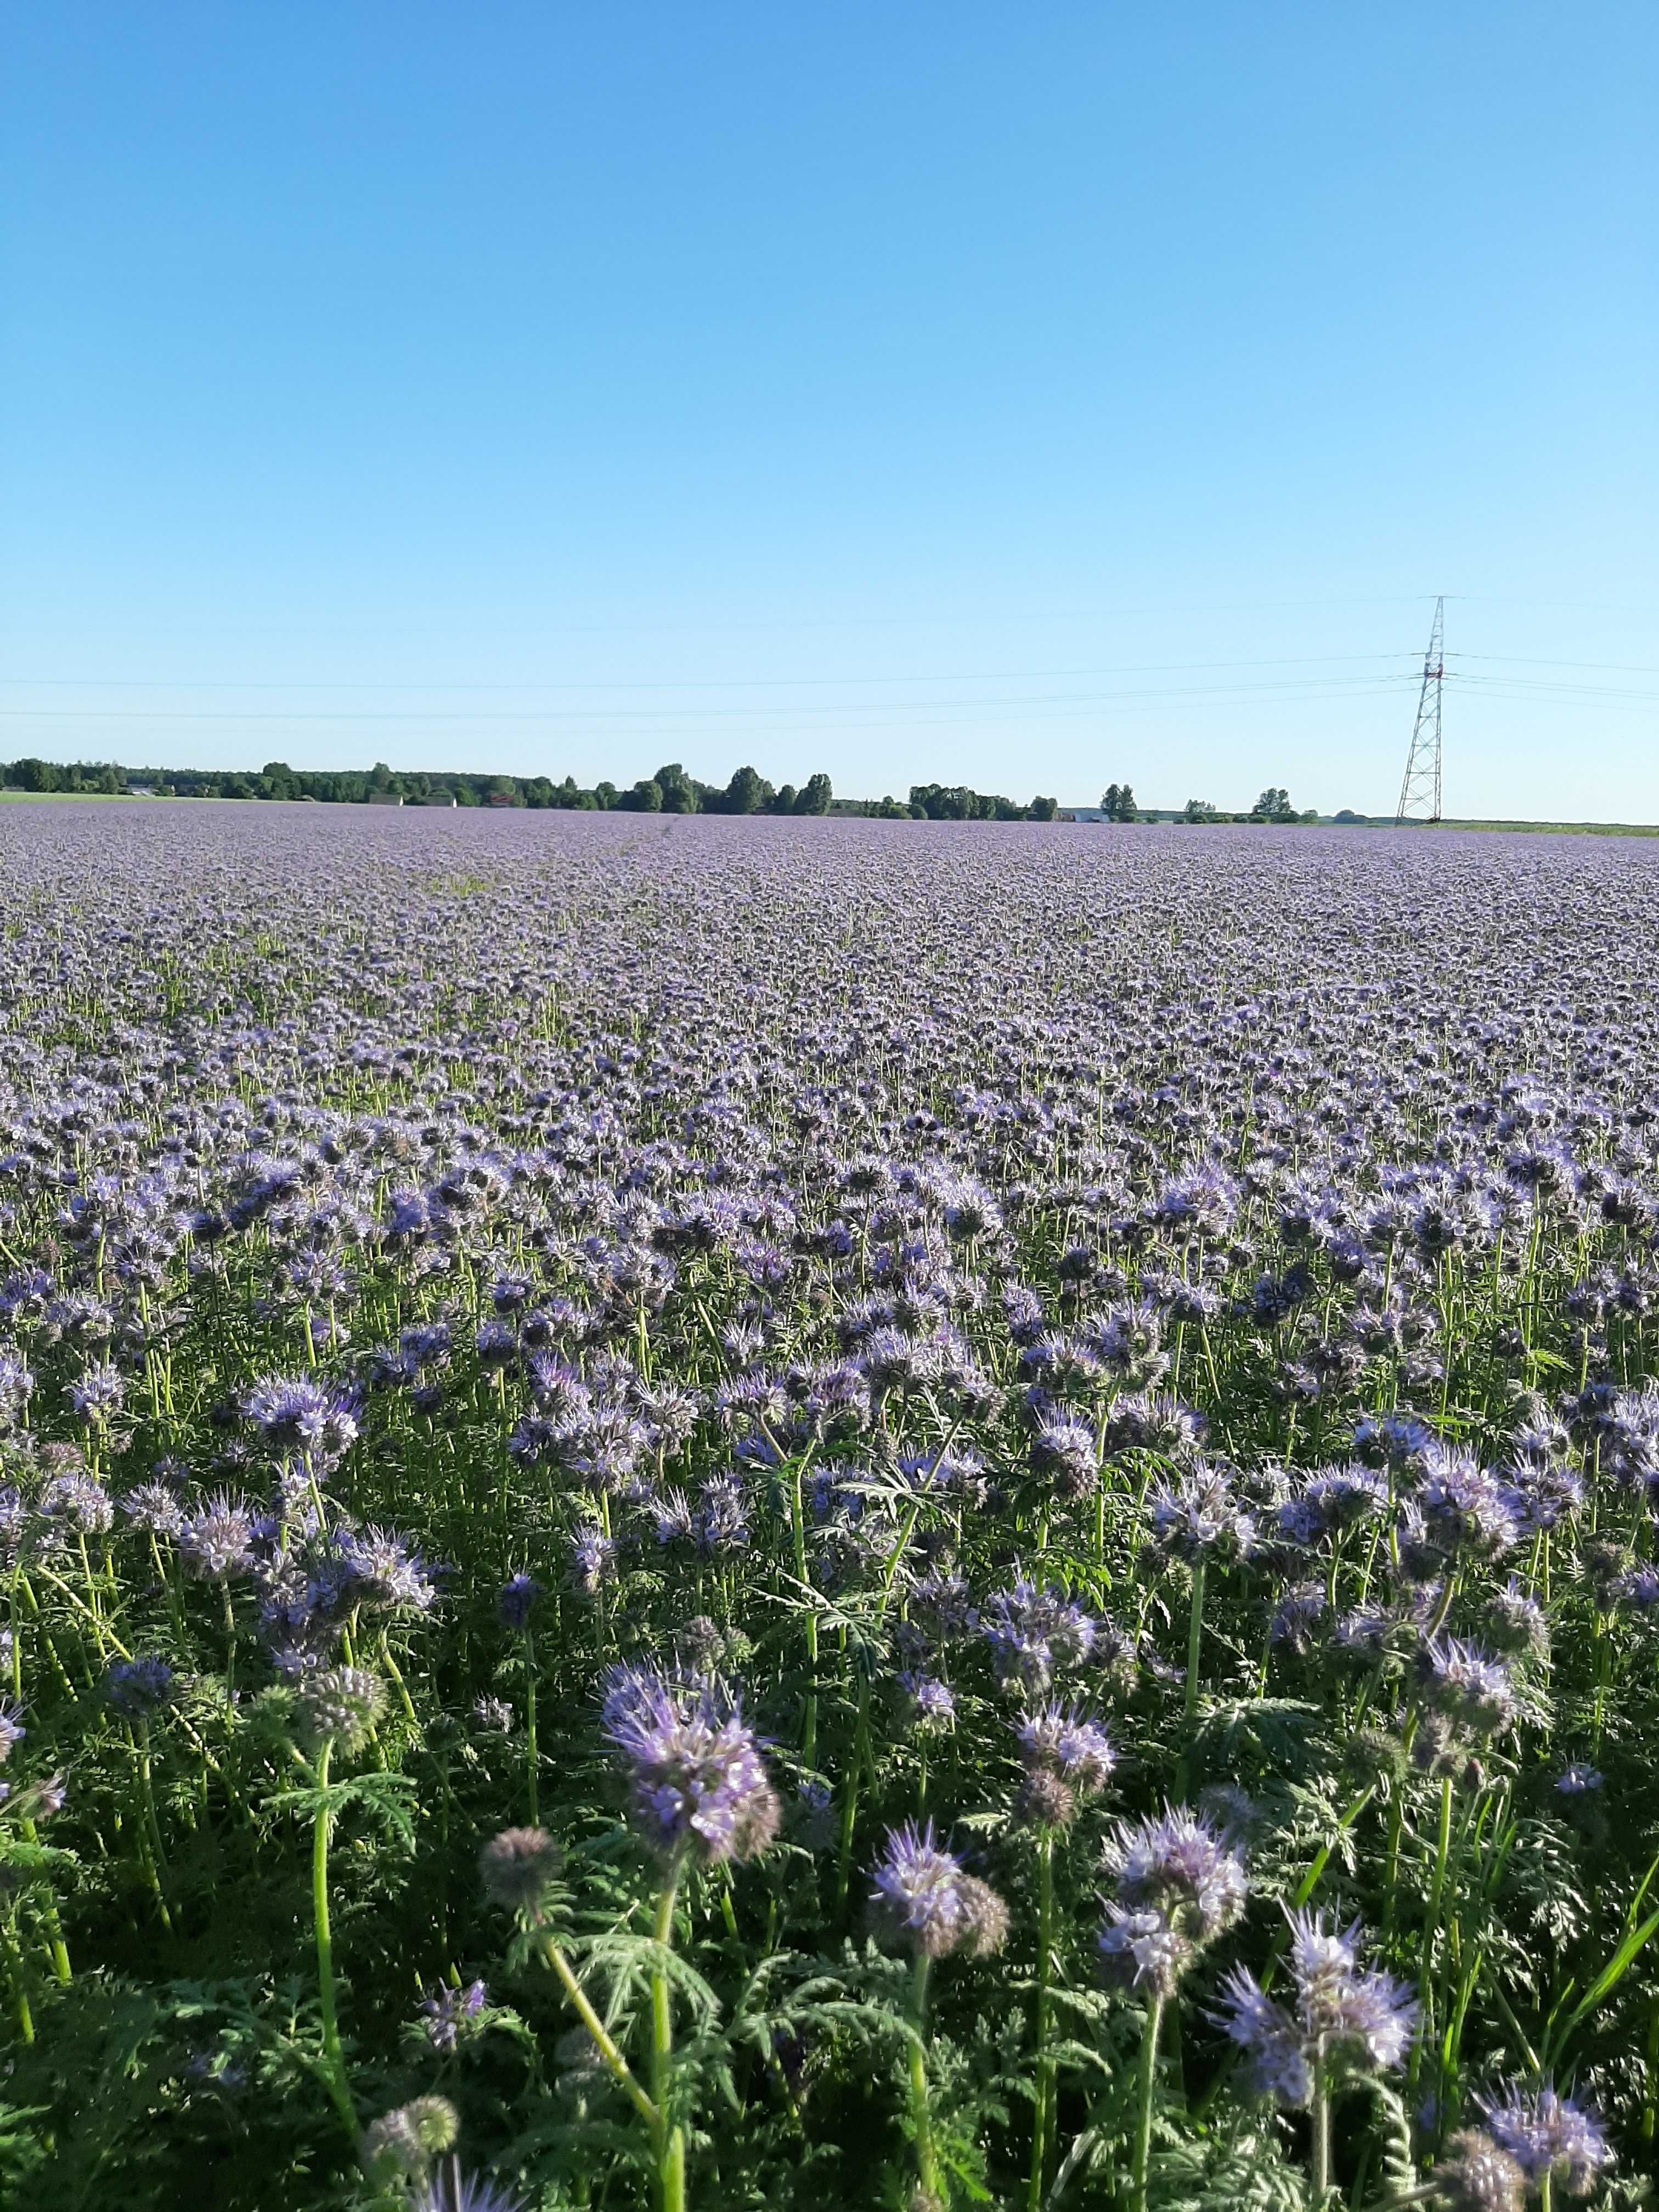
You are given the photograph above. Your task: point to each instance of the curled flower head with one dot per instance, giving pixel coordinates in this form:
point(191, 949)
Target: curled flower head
point(1475, 2175)
point(445, 2012)
point(1547, 2134)
point(698, 1781)
point(1144, 1949)
point(1340, 2011)
point(1181, 1866)
point(1060, 1740)
point(1201, 1516)
point(1472, 1690)
point(343, 1705)
point(926, 1898)
point(403, 2143)
point(218, 1541)
point(137, 1687)
point(519, 1866)
point(519, 1595)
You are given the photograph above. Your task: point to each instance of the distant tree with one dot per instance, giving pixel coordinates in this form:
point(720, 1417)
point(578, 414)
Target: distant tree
point(891, 810)
point(1043, 810)
point(1117, 804)
point(1199, 810)
point(33, 775)
point(747, 792)
point(539, 792)
point(277, 777)
point(605, 796)
point(645, 798)
point(815, 795)
point(785, 801)
point(1274, 805)
point(1347, 815)
point(679, 793)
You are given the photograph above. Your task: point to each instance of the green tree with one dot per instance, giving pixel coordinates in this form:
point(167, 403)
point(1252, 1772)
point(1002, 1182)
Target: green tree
point(1273, 806)
point(1199, 810)
point(1043, 810)
point(645, 798)
point(747, 792)
point(1117, 804)
point(815, 795)
point(679, 793)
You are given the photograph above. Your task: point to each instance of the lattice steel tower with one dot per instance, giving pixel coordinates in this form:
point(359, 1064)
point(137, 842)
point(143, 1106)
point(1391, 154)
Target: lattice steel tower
point(1420, 787)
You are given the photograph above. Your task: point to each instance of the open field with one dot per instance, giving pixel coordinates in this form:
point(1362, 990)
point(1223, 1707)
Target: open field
point(728, 1509)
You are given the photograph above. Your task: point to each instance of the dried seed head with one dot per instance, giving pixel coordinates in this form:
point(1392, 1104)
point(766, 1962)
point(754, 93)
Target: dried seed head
point(519, 1866)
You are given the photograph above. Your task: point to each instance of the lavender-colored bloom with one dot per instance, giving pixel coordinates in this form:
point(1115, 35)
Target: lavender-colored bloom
point(1065, 1739)
point(451, 2190)
point(1472, 1689)
point(1578, 1779)
point(1200, 1516)
point(698, 1781)
point(517, 1600)
point(98, 1394)
point(925, 1898)
point(1178, 1865)
point(154, 1509)
point(12, 1732)
point(929, 1701)
point(446, 2011)
point(15, 1384)
point(1468, 1506)
point(77, 1502)
point(217, 1542)
point(301, 1413)
point(1035, 1633)
point(591, 1561)
point(1546, 2133)
point(137, 1687)
point(1340, 2014)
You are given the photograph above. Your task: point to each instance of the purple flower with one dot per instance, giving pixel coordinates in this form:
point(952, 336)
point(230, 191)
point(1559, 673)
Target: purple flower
point(137, 1687)
point(218, 1541)
point(699, 1785)
point(518, 1600)
point(1339, 2013)
point(1178, 1864)
point(303, 1415)
point(446, 2011)
point(1547, 2134)
point(925, 1898)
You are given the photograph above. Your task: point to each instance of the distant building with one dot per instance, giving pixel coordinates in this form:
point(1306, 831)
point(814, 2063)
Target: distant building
point(437, 798)
point(499, 799)
point(140, 791)
point(385, 799)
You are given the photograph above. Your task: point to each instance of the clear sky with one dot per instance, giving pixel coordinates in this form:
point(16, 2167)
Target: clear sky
point(1025, 395)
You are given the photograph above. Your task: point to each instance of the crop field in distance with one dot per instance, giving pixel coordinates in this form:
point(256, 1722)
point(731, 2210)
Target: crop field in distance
point(778, 1514)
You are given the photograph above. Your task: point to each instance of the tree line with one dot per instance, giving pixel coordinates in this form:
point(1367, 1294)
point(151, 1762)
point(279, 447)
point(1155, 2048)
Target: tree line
point(670, 791)
point(1117, 804)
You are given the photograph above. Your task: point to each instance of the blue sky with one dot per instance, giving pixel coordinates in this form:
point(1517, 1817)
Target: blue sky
point(1032, 396)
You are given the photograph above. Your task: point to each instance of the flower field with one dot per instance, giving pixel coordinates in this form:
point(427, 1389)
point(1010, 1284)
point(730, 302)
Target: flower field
point(761, 1514)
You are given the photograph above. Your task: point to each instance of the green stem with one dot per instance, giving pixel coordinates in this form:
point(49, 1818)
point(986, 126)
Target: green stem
point(1042, 2130)
point(669, 2135)
point(1321, 2129)
point(530, 1725)
point(334, 2056)
point(1194, 1630)
point(920, 2111)
point(1144, 2117)
point(604, 2042)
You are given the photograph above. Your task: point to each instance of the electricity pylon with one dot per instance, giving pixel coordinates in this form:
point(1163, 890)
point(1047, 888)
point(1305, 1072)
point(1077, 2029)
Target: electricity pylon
point(1420, 787)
